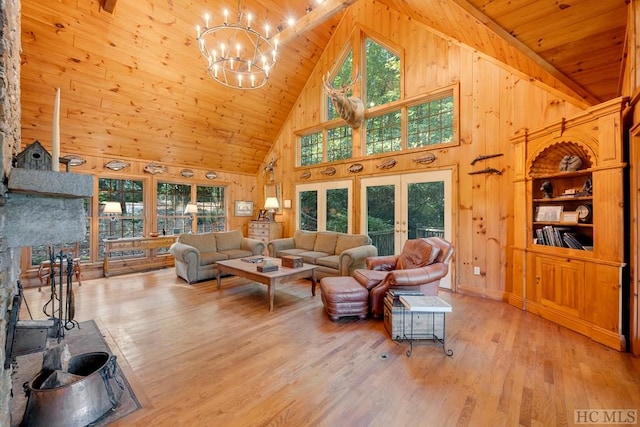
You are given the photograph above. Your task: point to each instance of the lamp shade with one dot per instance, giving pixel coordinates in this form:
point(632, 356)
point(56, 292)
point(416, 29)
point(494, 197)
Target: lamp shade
point(112, 208)
point(191, 208)
point(271, 203)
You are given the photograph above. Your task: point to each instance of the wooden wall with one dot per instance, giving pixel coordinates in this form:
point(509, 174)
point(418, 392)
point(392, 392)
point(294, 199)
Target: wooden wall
point(494, 104)
point(237, 187)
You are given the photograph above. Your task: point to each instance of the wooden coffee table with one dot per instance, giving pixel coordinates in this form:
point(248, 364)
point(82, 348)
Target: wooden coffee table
point(240, 268)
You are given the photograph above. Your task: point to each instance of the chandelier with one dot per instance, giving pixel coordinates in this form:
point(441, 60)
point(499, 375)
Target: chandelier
point(238, 56)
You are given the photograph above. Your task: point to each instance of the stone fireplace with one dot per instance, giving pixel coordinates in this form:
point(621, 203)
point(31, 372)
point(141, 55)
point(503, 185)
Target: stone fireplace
point(36, 207)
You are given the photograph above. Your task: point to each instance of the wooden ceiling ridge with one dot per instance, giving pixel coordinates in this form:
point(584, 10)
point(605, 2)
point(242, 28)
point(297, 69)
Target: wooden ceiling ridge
point(317, 16)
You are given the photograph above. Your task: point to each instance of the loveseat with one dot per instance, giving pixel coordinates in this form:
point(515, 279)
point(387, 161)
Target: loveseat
point(334, 254)
point(196, 255)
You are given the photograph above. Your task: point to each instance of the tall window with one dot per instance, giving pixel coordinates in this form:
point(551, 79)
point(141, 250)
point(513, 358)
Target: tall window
point(171, 202)
point(211, 208)
point(383, 75)
point(129, 193)
point(430, 122)
point(342, 78)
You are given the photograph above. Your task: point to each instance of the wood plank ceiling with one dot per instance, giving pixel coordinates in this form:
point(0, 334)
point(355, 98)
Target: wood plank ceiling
point(134, 86)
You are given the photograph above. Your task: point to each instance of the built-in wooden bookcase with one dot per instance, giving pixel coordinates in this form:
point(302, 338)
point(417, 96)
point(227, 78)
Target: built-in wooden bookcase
point(569, 224)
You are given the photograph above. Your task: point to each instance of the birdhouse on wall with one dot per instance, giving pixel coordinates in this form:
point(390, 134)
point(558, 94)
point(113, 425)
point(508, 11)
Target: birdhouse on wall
point(34, 157)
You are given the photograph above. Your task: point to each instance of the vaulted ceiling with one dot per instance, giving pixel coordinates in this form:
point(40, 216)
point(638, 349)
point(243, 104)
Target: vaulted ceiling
point(133, 84)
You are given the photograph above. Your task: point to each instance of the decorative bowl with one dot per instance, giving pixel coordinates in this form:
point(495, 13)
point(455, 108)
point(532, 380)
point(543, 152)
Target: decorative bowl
point(153, 234)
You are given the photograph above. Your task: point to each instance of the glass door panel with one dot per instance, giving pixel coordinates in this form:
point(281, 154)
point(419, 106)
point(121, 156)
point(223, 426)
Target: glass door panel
point(308, 212)
point(409, 206)
point(325, 206)
point(425, 209)
point(381, 217)
point(337, 210)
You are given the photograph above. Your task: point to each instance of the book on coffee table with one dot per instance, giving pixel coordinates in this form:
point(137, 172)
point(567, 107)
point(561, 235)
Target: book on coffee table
point(429, 304)
point(253, 259)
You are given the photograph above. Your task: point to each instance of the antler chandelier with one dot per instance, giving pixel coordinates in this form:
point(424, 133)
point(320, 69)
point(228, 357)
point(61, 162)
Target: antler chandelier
point(238, 56)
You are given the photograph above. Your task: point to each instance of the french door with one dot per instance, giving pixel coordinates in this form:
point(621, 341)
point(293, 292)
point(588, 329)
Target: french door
point(324, 206)
point(401, 207)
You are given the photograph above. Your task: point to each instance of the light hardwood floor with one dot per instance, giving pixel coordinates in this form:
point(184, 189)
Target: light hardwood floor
point(198, 356)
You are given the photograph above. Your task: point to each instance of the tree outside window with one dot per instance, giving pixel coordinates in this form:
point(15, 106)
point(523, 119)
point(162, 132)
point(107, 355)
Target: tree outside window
point(383, 75)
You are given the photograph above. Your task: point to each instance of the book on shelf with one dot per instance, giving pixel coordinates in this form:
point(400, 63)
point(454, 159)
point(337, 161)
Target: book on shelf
point(561, 237)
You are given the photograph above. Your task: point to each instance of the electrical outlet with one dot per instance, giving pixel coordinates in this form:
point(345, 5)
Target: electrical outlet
point(476, 271)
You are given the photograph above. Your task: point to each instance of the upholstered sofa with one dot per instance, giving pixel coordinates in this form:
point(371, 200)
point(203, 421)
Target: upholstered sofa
point(196, 255)
point(334, 254)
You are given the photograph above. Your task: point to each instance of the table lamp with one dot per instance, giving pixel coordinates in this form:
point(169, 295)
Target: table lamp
point(271, 205)
point(113, 209)
point(191, 209)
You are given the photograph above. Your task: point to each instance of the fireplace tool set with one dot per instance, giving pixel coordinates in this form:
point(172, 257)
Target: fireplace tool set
point(30, 336)
point(91, 384)
point(61, 304)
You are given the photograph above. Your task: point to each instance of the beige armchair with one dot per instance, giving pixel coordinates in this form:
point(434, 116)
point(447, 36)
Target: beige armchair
point(422, 263)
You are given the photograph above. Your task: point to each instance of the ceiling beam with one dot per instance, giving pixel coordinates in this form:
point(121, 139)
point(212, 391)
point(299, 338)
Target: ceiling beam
point(317, 16)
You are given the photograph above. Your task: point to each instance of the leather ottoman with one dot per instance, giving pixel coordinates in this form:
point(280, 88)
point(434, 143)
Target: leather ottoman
point(343, 296)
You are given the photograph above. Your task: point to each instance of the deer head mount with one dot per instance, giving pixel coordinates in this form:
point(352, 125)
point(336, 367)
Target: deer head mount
point(351, 108)
point(269, 168)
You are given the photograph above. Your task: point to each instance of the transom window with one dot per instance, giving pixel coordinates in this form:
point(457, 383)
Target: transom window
point(430, 123)
point(384, 133)
point(311, 149)
point(339, 143)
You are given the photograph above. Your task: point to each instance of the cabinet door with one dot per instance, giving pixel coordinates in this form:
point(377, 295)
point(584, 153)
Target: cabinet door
point(560, 284)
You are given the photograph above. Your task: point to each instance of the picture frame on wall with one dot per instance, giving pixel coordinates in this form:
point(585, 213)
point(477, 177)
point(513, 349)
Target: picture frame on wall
point(243, 208)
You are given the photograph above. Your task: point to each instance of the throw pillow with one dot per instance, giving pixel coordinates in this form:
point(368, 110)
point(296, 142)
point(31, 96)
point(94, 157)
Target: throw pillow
point(227, 240)
point(326, 242)
point(348, 241)
point(304, 240)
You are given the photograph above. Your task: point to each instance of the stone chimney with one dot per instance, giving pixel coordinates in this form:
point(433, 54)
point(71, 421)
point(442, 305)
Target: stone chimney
point(36, 207)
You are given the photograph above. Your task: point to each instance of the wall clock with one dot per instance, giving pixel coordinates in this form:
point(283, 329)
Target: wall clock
point(584, 213)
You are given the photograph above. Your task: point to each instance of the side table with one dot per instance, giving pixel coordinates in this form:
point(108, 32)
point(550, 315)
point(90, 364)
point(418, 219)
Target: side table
point(431, 306)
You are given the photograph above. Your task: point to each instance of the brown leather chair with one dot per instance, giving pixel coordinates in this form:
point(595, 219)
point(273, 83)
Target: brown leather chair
point(422, 263)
